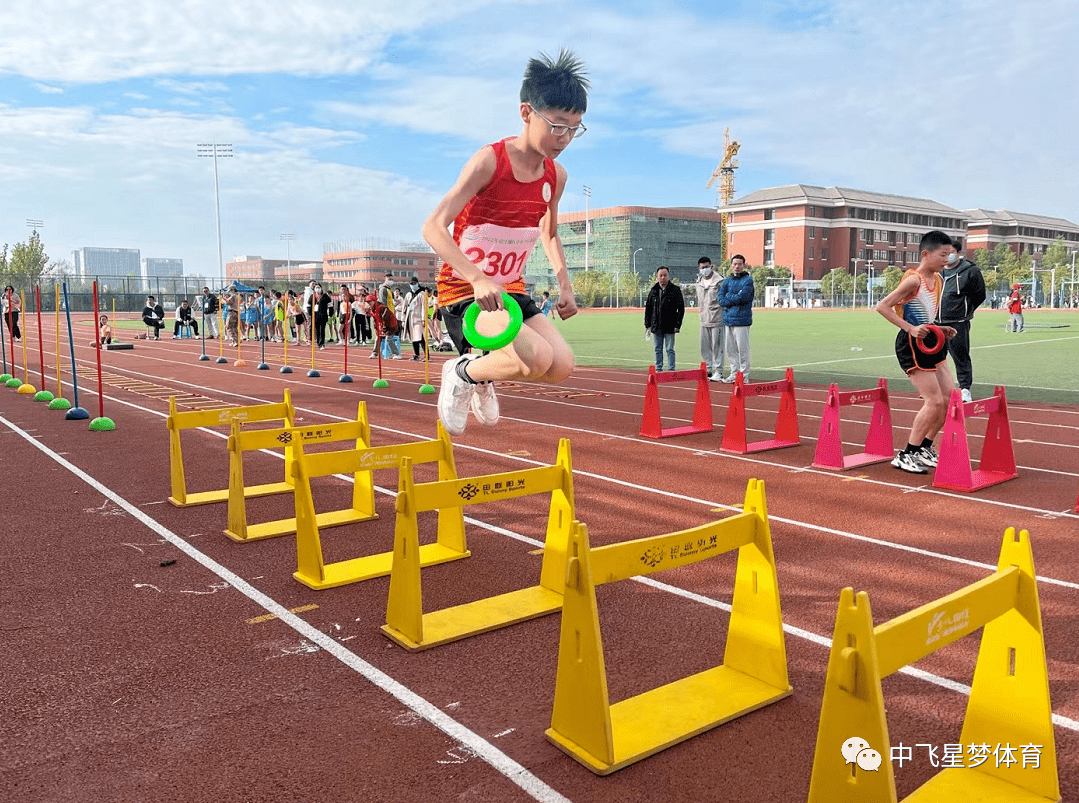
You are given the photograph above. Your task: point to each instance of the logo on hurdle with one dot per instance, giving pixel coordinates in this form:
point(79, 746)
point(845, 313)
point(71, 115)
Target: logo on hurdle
point(468, 492)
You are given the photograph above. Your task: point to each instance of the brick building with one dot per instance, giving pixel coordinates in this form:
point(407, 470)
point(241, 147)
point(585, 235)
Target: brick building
point(368, 261)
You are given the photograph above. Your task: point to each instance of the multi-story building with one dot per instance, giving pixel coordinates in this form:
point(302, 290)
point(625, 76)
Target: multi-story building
point(1021, 232)
point(636, 238)
point(163, 267)
point(812, 230)
point(368, 261)
point(254, 270)
point(91, 263)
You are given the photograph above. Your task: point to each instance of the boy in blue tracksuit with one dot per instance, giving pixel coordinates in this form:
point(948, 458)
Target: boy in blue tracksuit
point(736, 297)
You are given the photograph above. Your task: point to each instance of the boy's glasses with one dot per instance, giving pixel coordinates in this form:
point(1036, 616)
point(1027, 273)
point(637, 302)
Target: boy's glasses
point(561, 130)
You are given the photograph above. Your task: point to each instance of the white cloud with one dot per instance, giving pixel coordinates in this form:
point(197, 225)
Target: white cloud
point(114, 39)
point(48, 90)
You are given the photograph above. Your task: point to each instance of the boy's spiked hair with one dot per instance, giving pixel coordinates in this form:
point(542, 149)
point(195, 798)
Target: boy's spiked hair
point(558, 84)
point(933, 240)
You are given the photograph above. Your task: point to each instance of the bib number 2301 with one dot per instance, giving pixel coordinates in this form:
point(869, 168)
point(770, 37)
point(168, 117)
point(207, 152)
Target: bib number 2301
point(497, 265)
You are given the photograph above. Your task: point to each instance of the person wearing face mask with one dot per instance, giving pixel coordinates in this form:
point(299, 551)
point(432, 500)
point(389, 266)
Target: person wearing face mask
point(962, 293)
point(707, 287)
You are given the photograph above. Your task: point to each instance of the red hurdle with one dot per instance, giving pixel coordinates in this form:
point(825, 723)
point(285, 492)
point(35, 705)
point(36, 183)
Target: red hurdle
point(878, 441)
point(734, 433)
point(651, 427)
point(998, 459)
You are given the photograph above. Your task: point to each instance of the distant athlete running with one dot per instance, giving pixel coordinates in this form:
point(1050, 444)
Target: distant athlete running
point(506, 199)
point(913, 306)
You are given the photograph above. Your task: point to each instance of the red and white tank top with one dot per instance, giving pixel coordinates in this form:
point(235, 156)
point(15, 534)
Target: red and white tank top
point(499, 227)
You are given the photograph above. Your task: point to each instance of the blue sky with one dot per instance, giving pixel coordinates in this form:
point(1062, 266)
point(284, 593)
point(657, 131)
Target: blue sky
point(350, 120)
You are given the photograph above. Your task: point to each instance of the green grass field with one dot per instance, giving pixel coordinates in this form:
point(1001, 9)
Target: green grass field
point(854, 348)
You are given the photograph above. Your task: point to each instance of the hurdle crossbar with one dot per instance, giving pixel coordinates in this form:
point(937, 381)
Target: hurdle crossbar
point(878, 441)
point(786, 432)
point(997, 463)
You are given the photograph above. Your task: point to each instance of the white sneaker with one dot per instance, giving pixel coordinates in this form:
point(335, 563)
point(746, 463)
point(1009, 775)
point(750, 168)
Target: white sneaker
point(909, 462)
point(965, 393)
point(730, 379)
point(927, 456)
point(454, 398)
point(716, 377)
point(485, 403)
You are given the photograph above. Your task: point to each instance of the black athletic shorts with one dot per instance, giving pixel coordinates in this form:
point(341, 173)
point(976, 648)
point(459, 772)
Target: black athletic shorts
point(911, 357)
point(454, 317)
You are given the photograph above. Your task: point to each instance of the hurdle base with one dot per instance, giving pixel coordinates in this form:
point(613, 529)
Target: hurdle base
point(370, 566)
point(671, 432)
point(762, 446)
point(964, 785)
point(119, 346)
point(638, 732)
point(221, 360)
point(856, 461)
point(979, 479)
point(204, 358)
point(250, 492)
point(481, 616)
point(273, 529)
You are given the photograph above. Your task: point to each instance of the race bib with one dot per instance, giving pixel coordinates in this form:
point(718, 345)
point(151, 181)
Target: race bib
point(500, 252)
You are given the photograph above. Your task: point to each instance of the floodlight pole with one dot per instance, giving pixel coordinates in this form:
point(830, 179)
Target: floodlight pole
point(587, 195)
point(223, 151)
point(288, 238)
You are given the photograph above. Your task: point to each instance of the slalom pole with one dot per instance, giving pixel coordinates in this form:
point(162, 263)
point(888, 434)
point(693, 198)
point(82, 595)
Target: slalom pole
point(348, 329)
point(12, 381)
point(58, 403)
point(76, 413)
point(42, 395)
point(311, 336)
point(380, 382)
point(262, 366)
point(204, 357)
point(240, 362)
point(4, 377)
point(426, 389)
point(25, 388)
point(221, 332)
point(284, 337)
point(101, 423)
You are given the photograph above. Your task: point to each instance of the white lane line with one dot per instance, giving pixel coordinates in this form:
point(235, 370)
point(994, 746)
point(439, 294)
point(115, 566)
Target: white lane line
point(482, 748)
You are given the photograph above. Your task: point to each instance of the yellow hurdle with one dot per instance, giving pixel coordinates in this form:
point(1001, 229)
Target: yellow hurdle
point(406, 623)
point(1009, 698)
point(177, 422)
point(312, 570)
point(607, 737)
point(240, 441)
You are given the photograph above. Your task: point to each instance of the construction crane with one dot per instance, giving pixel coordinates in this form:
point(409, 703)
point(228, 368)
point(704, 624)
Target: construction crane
point(725, 172)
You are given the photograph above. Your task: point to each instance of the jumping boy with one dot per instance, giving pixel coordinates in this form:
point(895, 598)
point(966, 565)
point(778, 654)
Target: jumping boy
point(913, 306)
point(506, 199)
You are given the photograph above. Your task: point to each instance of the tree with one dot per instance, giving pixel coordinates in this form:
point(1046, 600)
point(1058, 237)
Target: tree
point(836, 282)
point(892, 277)
point(1056, 257)
point(589, 285)
point(761, 274)
point(28, 261)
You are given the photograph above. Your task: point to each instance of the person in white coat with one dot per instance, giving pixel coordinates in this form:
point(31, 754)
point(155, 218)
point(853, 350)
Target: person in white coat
point(707, 286)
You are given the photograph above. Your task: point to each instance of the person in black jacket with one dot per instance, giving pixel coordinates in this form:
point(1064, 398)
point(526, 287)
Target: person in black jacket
point(153, 315)
point(319, 313)
point(663, 313)
point(962, 293)
point(210, 305)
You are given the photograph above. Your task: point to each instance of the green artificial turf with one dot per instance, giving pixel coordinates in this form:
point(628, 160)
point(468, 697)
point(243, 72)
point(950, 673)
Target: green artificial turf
point(853, 348)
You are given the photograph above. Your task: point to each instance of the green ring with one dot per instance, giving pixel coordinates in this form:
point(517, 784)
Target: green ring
point(499, 341)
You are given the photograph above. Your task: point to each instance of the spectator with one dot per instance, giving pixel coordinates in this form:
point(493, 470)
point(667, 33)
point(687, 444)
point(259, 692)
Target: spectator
point(184, 317)
point(707, 286)
point(663, 313)
point(545, 306)
point(1015, 307)
point(344, 314)
point(385, 292)
point(416, 315)
point(736, 298)
point(307, 293)
point(104, 330)
point(231, 309)
point(386, 326)
point(154, 316)
point(249, 317)
point(12, 306)
point(963, 293)
point(360, 331)
point(209, 313)
point(319, 313)
point(295, 317)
